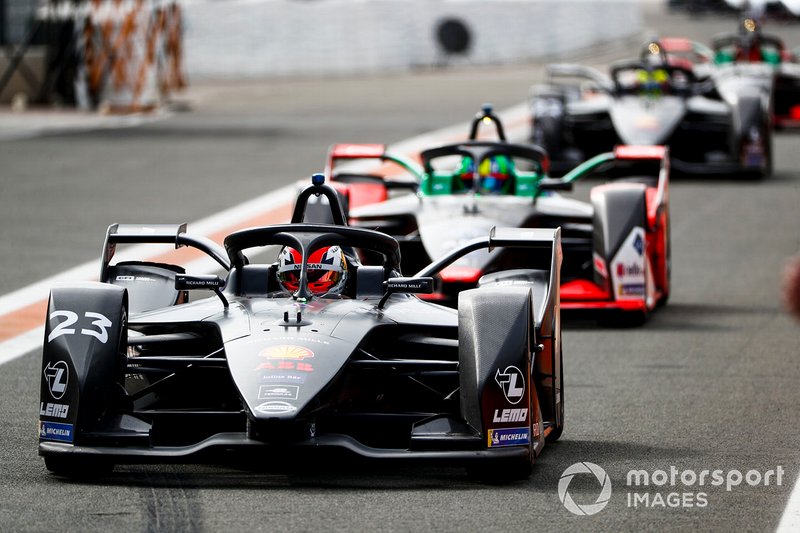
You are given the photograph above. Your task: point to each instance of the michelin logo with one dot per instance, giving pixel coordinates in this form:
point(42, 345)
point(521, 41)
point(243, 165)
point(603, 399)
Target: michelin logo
point(509, 437)
point(56, 431)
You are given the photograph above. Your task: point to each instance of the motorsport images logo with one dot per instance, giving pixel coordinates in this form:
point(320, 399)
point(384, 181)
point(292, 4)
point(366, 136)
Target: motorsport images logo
point(602, 498)
point(663, 488)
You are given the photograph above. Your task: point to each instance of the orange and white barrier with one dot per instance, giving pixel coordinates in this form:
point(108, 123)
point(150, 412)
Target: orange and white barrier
point(132, 53)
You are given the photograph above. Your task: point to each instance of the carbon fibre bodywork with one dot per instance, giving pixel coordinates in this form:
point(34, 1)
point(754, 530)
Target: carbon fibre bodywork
point(373, 372)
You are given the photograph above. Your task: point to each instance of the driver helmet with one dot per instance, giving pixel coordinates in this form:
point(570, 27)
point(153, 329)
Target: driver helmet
point(494, 173)
point(326, 271)
point(464, 174)
point(652, 82)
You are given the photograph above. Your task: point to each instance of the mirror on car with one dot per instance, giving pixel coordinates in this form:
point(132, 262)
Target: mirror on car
point(552, 184)
point(421, 285)
point(211, 282)
point(409, 285)
point(186, 282)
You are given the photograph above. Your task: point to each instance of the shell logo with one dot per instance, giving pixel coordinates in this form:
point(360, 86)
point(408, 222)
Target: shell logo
point(286, 351)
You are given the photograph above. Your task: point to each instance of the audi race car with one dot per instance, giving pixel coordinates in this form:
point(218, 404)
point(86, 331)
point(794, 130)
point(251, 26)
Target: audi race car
point(616, 246)
point(751, 62)
point(581, 112)
point(318, 352)
point(748, 61)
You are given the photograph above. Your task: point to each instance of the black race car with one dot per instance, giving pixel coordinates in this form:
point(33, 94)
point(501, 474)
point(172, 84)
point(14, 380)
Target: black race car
point(302, 356)
point(582, 112)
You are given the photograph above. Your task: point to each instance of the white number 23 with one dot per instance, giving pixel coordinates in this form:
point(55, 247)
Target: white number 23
point(63, 328)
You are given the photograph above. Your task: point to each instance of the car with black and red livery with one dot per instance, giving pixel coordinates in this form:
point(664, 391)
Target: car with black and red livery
point(326, 351)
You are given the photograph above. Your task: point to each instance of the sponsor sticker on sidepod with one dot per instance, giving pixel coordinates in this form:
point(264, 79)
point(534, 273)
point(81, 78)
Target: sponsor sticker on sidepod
point(629, 267)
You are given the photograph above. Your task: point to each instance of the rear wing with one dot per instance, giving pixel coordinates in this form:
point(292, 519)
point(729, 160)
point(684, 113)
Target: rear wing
point(364, 152)
point(623, 152)
point(338, 152)
point(695, 51)
point(653, 158)
point(157, 234)
point(547, 240)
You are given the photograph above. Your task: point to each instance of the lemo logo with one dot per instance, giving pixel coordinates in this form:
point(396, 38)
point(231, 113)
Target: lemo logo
point(586, 509)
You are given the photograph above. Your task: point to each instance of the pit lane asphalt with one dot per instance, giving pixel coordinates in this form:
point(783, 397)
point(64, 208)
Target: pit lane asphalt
point(711, 382)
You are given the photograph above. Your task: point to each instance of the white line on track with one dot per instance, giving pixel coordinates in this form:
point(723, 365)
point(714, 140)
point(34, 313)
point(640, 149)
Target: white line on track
point(21, 344)
point(790, 521)
point(18, 346)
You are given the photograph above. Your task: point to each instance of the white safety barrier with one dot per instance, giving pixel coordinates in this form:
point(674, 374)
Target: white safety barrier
point(276, 38)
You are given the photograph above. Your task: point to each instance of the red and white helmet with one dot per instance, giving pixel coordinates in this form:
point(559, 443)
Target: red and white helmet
point(326, 272)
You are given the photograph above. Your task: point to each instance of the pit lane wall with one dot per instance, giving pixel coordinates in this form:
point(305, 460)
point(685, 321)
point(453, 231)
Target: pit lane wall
point(281, 38)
